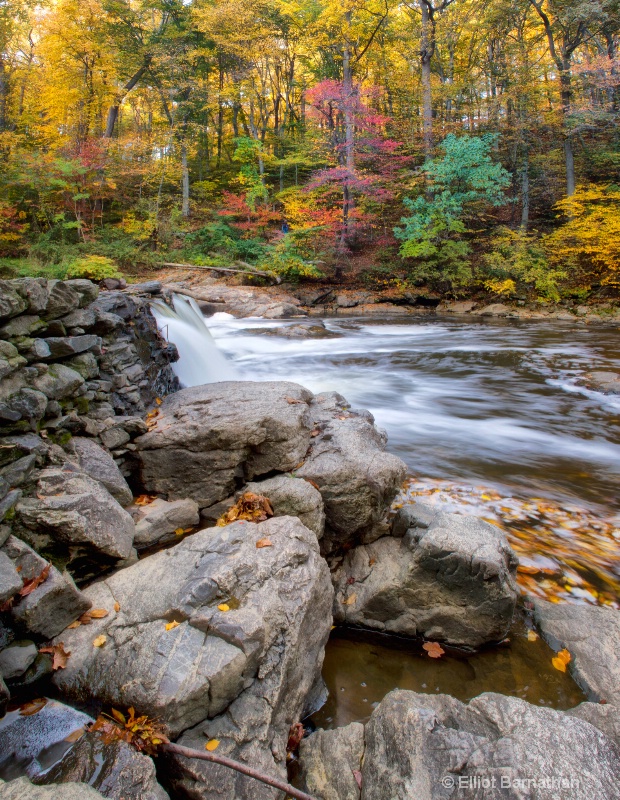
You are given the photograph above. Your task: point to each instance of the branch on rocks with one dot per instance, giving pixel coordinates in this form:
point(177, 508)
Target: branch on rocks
point(188, 752)
point(224, 269)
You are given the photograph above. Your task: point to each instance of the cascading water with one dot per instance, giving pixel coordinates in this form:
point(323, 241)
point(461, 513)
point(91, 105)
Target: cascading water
point(200, 360)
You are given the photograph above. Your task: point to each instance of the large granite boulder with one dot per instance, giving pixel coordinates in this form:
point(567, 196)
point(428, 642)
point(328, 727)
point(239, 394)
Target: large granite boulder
point(592, 636)
point(208, 438)
point(293, 497)
point(450, 579)
point(246, 616)
point(433, 747)
point(331, 762)
point(74, 513)
point(99, 464)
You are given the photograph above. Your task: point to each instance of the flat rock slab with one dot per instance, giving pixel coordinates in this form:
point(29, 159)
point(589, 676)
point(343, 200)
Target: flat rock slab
point(22, 789)
point(238, 606)
point(592, 636)
point(162, 518)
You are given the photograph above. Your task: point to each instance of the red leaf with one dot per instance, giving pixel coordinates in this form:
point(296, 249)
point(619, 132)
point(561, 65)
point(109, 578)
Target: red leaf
point(31, 584)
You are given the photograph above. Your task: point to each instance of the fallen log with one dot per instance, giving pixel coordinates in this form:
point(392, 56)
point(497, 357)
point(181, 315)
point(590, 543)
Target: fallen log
point(171, 264)
point(188, 752)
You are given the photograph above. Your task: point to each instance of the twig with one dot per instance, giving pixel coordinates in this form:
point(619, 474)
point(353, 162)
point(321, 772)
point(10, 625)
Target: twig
point(222, 269)
point(188, 752)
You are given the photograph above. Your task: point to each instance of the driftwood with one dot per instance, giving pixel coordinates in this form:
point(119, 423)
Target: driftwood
point(249, 271)
point(188, 752)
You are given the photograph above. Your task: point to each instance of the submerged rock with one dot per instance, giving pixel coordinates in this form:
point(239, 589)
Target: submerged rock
point(450, 578)
point(244, 613)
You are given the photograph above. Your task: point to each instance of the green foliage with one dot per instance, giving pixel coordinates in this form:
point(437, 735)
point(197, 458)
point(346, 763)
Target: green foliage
point(96, 268)
point(220, 239)
point(286, 260)
point(458, 186)
point(519, 257)
point(248, 152)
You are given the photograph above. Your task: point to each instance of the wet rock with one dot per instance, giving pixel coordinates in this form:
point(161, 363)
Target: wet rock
point(8, 503)
point(32, 743)
point(272, 635)
point(209, 436)
point(452, 581)
point(433, 746)
point(329, 760)
point(58, 382)
point(161, 518)
point(356, 477)
point(66, 346)
point(10, 581)
point(592, 636)
point(54, 604)
point(114, 769)
point(118, 303)
point(293, 497)
point(72, 509)
point(62, 299)
point(80, 318)
point(99, 464)
point(11, 303)
point(606, 382)
point(22, 789)
point(16, 658)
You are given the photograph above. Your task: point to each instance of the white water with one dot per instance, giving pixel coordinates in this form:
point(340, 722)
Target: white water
point(200, 359)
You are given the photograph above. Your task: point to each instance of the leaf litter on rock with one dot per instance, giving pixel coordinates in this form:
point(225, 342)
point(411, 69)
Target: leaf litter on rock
point(58, 653)
point(251, 507)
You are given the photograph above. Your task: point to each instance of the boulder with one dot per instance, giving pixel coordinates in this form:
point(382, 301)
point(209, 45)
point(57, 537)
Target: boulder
point(57, 381)
point(16, 658)
point(331, 762)
point(592, 636)
point(293, 497)
point(603, 716)
point(161, 518)
point(62, 299)
point(11, 303)
point(99, 464)
point(493, 310)
point(356, 477)
point(115, 769)
point(452, 581)
point(71, 510)
point(86, 289)
point(605, 382)
point(10, 581)
point(206, 438)
point(66, 346)
point(54, 604)
point(246, 616)
point(22, 789)
point(433, 747)
point(34, 291)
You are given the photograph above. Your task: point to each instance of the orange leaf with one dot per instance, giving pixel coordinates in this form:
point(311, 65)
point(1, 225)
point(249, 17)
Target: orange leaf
point(99, 641)
point(85, 618)
point(291, 401)
point(312, 483)
point(212, 744)
point(224, 607)
point(98, 613)
point(75, 624)
point(158, 400)
point(264, 543)
point(350, 600)
point(144, 499)
point(32, 707)
point(171, 625)
point(117, 606)
point(434, 649)
point(119, 716)
point(561, 660)
point(31, 584)
point(60, 655)
point(250, 506)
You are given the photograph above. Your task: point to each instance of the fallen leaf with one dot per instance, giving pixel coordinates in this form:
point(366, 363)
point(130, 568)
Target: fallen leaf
point(117, 606)
point(264, 543)
point(158, 401)
point(372, 562)
point(7, 605)
point(32, 707)
point(350, 600)
point(532, 636)
point(179, 531)
point(561, 660)
point(295, 735)
point(31, 584)
point(434, 649)
point(98, 613)
point(100, 641)
point(74, 736)
point(118, 715)
point(312, 483)
point(75, 624)
point(85, 618)
point(224, 607)
point(212, 744)
point(358, 777)
point(526, 570)
point(171, 625)
point(144, 499)
point(315, 432)
point(250, 506)
point(291, 401)
point(59, 655)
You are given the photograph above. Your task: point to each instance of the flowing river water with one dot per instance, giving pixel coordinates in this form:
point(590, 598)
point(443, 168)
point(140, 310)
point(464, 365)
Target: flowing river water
point(492, 419)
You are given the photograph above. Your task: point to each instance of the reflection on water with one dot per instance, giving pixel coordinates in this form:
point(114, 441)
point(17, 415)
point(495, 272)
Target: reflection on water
point(359, 671)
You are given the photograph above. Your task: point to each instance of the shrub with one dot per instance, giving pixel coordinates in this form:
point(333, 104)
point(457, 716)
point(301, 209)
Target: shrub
point(96, 268)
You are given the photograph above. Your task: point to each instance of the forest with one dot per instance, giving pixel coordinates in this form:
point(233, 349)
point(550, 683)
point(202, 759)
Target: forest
point(460, 145)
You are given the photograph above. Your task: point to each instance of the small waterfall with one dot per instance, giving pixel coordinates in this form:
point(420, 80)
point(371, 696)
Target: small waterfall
point(200, 360)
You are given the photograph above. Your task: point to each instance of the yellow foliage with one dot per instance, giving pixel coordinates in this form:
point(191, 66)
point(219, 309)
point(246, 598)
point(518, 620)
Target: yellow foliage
point(505, 288)
point(588, 243)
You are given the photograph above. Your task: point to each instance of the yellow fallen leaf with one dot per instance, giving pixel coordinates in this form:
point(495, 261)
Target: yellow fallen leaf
point(264, 543)
point(117, 606)
point(212, 744)
point(224, 607)
point(158, 400)
point(75, 624)
point(532, 636)
point(100, 641)
point(171, 625)
point(98, 613)
point(561, 661)
point(180, 531)
point(350, 600)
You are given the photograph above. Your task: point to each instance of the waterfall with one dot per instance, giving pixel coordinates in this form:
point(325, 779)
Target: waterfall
point(200, 360)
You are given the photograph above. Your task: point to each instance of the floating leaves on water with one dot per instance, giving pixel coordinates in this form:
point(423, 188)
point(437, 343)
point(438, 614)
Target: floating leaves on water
point(58, 653)
point(31, 584)
point(32, 707)
point(100, 641)
point(350, 599)
point(562, 660)
point(212, 745)
point(144, 499)
point(171, 625)
point(224, 607)
point(250, 506)
point(264, 543)
point(434, 649)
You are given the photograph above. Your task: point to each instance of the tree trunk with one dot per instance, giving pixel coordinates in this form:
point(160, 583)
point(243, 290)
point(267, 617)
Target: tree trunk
point(349, 134)
point(426, 55)
point(525, 189)
point(185, 211)
point(569, 160)
point(4, 95)
point(114, 109)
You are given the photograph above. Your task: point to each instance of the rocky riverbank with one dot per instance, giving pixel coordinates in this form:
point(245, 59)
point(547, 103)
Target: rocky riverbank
point(185, 553)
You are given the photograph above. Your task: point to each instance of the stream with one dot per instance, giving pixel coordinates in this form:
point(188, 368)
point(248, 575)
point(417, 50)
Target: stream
point(492, 420)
